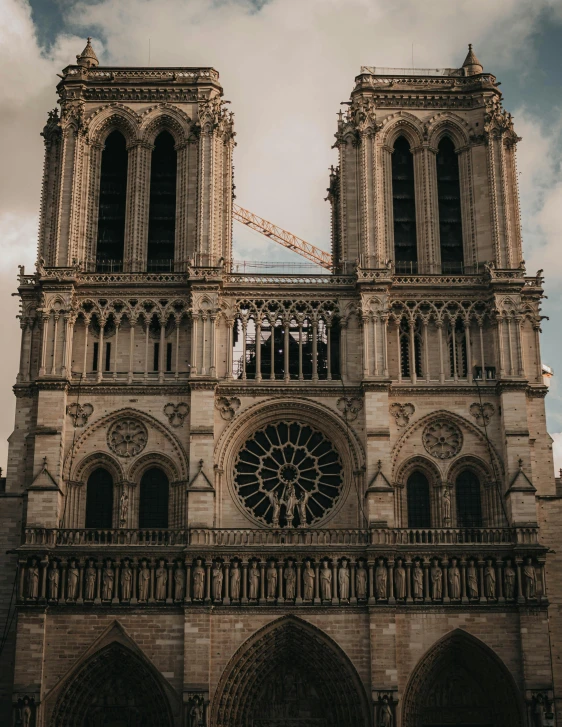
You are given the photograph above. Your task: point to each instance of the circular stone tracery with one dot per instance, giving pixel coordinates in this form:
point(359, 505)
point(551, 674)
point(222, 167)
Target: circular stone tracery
point(285, 470)
point(127, 437)
point(442, 439)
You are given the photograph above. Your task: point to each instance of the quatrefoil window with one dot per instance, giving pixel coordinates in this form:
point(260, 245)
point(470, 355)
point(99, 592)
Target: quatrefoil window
point(286, 470)
point(442, 439)
point(127, 437)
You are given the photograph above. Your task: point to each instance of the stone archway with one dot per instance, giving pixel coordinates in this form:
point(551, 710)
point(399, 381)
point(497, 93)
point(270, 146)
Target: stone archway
point(461, 681)
point(113, 688)
point(290, 673)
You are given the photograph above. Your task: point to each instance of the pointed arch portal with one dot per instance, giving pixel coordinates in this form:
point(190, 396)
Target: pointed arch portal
point(113, 688)
point(460, 681)
point(289, 672)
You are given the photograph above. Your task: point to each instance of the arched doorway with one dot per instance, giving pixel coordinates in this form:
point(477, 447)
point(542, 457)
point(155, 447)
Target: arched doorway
point(114, 688)
point(289, 672)
point(460, 681)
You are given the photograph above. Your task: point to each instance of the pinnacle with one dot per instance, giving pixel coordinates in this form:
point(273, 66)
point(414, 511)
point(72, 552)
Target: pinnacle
point(88, 56)
point(471, 62)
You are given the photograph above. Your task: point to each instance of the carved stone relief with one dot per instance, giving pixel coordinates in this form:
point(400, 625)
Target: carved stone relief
point(402, 413)
point(442, 439)
point(227, 406)
point(127, 437)
point(80, 413)
point(350, 407)
point(482, 413)
point(176, 413)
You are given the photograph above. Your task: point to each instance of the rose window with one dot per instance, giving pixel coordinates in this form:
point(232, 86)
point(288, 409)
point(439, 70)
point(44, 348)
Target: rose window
point(442, 439)
point(288, 475)
point(127, 437)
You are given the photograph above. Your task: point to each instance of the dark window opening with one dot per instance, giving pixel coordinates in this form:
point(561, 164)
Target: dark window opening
point(469, 504)
point(107, 356)
point(162, 210)
point(153, 499)
point(449, 199)
point(156, 360)
point(99, 499)
point(112, 204)
point(168, 357)
point(419, 510)
point(404, 208)
point(96, 356)
point(405, 341)
point(457, 351)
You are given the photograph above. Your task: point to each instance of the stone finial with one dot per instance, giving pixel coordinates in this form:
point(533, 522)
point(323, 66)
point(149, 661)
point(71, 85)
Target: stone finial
point(471, 63)
point(88, 57)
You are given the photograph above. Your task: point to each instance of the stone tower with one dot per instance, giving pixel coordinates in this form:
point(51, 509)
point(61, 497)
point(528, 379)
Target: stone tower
point(242, 499)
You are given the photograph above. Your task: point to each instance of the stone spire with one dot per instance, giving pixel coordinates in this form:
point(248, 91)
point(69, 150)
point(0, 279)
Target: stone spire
point(88, 57)
point(471, 63)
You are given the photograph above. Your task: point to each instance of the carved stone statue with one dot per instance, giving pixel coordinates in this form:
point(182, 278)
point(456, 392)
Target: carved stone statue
point(91, 577)
point(361, 580)
point(301, 505)
point(539, 709)
point(343, 580)
point(161, 580)
point(271, 576)
point(33, 580)
point(472, 580)
point(253, 581)
point(54, 580)
point(126, 580)
point(454, 581)
point(400, 580)
point(196, 712)
point(290, 578)
point(326, 581)
point(381, 576)
point(276, 506)
point(386, 718)
point(529, 579)
point(418, 580)
point(218, 577)
point(437, 580)
point(198, 581)
point(123, 507)
point(73, 578)
point(509, 581)
point(446, 498)
point(179, 582)
point(490, 580)
point(107, 581)
point(26, 713)
point(144, 581)
point(308, 578)
point(289, 499)
point(235, 581)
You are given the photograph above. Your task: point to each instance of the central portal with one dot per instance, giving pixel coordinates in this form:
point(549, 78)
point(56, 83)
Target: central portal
point(290, 698)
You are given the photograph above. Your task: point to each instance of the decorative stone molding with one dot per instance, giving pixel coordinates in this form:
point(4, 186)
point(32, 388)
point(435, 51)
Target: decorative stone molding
point(482, 413)
point(402, 413)
point(442, 439)
point(127, 437)
point(80, 413)
point(176, 413)
point(227, 406)
point(350, 407)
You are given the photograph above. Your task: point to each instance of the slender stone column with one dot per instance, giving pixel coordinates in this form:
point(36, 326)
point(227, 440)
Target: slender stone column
point(55, 337)
point(44, 331)
point(258, 349)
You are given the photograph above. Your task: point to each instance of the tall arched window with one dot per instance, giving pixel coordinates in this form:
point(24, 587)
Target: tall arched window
point(404, 208)
point(405, 346)
point(449, 196)
point(469, 503)
point(419, 510)
point(113, 200)
point(153, 500)
point(99, 499)
point(162, 211)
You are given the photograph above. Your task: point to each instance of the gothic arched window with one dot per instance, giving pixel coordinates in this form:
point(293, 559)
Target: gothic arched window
point(405, 345)
point(457, 350)
point(449, 197)
point(404, 208)
point(99, 499)
point(112, 204)
point(419, 509)
point(162, 210)
point(153, 499)
point(469, 503)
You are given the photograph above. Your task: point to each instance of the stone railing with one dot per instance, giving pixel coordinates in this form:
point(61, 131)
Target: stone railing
point(281, 537)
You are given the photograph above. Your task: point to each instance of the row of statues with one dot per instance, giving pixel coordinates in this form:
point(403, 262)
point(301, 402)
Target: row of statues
point(290, 580)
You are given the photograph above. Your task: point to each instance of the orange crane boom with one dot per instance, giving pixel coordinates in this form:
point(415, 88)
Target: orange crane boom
point(287, 239)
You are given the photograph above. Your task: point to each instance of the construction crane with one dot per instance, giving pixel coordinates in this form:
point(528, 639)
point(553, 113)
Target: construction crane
point(287, 239)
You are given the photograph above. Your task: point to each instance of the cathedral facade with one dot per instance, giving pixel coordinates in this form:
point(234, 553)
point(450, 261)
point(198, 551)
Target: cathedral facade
point(260, 500)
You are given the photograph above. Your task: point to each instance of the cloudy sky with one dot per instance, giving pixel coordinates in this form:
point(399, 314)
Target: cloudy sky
point(285, 65)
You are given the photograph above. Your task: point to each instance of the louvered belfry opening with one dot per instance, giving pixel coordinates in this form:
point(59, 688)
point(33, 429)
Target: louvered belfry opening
point(449, 196)
point(112, 204)
point(162, 211)
point(404, 208)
